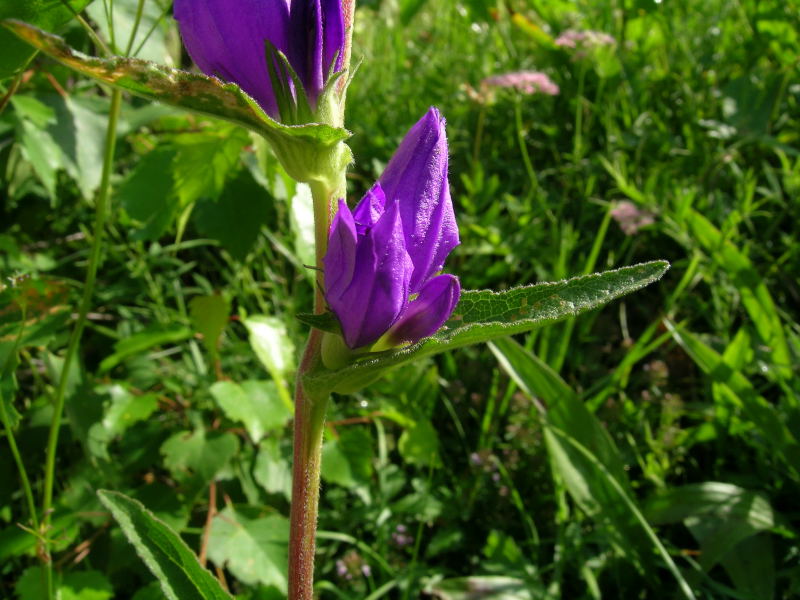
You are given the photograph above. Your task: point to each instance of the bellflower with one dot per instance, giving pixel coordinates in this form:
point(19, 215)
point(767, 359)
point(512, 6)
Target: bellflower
point(231, 39)
point(383, 257)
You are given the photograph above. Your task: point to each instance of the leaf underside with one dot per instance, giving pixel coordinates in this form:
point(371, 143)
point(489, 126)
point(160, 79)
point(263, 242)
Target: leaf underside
point(485, 315)
point(192, 91)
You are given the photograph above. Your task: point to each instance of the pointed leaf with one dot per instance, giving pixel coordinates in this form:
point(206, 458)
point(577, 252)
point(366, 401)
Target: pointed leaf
point(482, 316)
point(163, 551)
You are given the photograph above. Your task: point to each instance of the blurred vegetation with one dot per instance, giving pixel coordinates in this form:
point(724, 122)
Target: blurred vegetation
point(635, 452)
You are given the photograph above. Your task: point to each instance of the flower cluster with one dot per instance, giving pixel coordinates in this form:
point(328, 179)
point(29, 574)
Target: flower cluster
point(527, 82)
point(383, 257)
point(572, 38)
point(630, 218)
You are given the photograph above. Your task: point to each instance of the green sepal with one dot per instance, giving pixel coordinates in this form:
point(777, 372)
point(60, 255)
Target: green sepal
point(324, 322)
point(308, 152)
point(485, 315)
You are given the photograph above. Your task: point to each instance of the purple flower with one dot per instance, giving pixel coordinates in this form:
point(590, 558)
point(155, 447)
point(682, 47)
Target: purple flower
point(228, 39)
point(383, 257)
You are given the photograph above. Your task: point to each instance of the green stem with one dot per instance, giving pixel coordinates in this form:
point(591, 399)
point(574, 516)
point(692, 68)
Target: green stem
point(137, 21)
point(101, 210)
point(23, 474)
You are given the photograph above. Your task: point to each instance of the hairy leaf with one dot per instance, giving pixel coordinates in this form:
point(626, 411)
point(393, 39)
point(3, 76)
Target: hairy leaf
point(482, 316)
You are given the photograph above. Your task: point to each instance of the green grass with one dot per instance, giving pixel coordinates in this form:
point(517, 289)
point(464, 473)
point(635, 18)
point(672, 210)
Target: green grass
point(645, 450)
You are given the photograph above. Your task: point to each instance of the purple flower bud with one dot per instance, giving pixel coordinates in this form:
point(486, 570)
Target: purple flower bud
point(393, 244)
point(227, 39)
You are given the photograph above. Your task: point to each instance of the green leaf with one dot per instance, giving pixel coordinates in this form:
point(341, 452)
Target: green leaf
point(193, 453)
point(738, 390)
point(163, 551)
point(324, 322)
point(235, 219)
point(482, 316)
point(347, 461)
point(755, 296)
point(419, 445)
point(253, 549)
point(75, 585)
point(205, 160)
point(728, 514)
point(730, 524)
point(270, 341)
point(142, 341)
point(302, 223)
point(584, 456)
point(272, 470)
point(190, 91)
point(148, 196)
point(255, 404)
point(210, 315)
point(48, 14)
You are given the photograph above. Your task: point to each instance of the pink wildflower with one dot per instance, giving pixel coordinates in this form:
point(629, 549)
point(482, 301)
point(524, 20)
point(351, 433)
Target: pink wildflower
point(572, 38)
point(630, 218)
point(528, 82)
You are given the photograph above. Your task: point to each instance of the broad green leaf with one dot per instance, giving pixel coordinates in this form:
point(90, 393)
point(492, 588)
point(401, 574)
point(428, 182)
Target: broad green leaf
point(730, 524)
point(78, 129)
point(195, 453)
point(210, 315)
point(126, 408)
point(482, 316)
point(48, 14)
point(347, 461)
point(120, 410)
point(163, 551)
point(74, 585)
point(270, 341)
point(205, 160)
point(738, 390)
point(302, 222)
point(147, 194)
point(755, 296)
point(143, 341)
point(722, 515)
point(254, 550)
point(584, 456)
point(419, 445)
point(190, 91)
point(255, 404)
point(272, 470)
point(235, 219)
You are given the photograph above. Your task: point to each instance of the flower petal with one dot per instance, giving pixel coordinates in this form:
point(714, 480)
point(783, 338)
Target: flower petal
point(225, 38)
point(369, 209)
point(378, 292)
point(317, 37)
point(425, 315)
point(417, 177)
point(340, 258)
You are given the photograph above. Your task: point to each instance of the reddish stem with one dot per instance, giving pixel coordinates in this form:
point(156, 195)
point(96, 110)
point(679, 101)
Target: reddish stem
point(308, 429)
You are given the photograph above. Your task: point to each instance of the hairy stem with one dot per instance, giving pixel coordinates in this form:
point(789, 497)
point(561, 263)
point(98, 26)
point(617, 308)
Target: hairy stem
point(101, 210)
point(309, 422)
point(309, 417)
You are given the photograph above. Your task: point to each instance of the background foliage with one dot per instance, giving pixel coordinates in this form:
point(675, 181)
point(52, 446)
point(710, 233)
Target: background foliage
point(634, 452)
